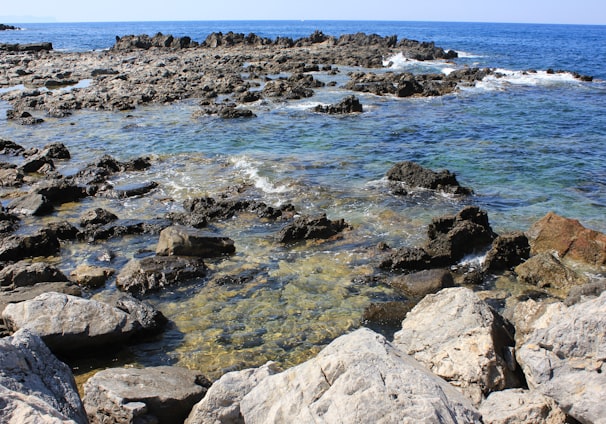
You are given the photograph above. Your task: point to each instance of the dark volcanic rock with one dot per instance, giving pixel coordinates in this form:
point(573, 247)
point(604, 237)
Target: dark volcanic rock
point(420, 283)
point(31, 204)
point(41, 243)
point(507, 251)
point(154, 273)
point(97, 217)
point(145, 42)
point(183, 241)
point(306, 228)
point(63, 230)
point(28, 47)
point(414, 175)
point(350, 104)
point(8, 222)
point(8, 147)
point(59, 190)
point(23, 273)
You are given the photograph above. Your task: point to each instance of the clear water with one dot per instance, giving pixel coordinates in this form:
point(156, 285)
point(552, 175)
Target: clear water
point(526, 143)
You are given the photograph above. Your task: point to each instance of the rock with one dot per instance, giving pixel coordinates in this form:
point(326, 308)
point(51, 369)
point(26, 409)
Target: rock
point(23, 273)
point(34, 384)
point(91, 276)
point(478, 360)
point(350, 104)
point(222, 401)
point(422, 283)
point(63, 230)
point(4, 27)
point(582, 293)
point(153, 394)
point(386, 314)
point(96, 217)
point(569, 239)
point(126, 191)
point(178, 240)
point(11, 177)
point(8, 147)
point(155, 272)
point(28, 47)
point(56, 151)
point(414, 175)
point(545, 270)
point(68, 323)
point(507, 251)
point(306, 228)
point(8, 222)
point(562, 356)
point(358, 378)
point(16, 247)
point(522, 407)
point(145, 42)
point(123, 227)
point(21, 294)
point(31, 204)
point(36, 163)
point(59, 190)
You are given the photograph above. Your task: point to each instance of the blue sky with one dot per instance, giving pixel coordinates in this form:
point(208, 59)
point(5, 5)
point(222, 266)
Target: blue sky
point(527, 11)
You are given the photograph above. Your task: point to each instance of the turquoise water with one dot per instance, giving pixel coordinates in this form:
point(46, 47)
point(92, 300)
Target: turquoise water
point(526, 143)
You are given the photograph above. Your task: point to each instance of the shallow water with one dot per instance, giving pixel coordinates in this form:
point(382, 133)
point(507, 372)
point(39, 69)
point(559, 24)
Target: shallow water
point(526, 143)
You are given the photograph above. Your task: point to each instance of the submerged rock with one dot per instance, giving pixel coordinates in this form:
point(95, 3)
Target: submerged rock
point(414, 175)
point(421, 283)
point(306, 228)
point(350, 104)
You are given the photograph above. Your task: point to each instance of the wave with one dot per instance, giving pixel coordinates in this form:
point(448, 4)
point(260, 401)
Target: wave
point(399, 62)
point(504, 78)
point(251, 171)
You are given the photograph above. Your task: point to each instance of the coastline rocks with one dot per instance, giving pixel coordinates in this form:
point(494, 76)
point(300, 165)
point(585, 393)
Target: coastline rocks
point(479, 360)
point(184, 241)
point(23, 274)
point(16, 247)
point(545, 270)
point(561, 352)
point(97, 217)
point(68, 323)
point(30, 204)
point(308, 228)
point(507, 251)
point(34, 385)
point(350, 104)
point(91, 276)
point(11, 177)
point(359, 377)
point(221, 404)
point(155, 272)
point(8, 147)
point(145, 42)
point(149, 395)
point(27, 47)
point(8, 222)
point(413, 175)
point(569, 240)
point(421, 283)
point(521, 407)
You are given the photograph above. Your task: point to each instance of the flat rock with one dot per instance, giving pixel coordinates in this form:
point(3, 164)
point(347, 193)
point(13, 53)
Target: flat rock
point(35, 387)
point(91, 276)
point(31, 204)
point(25, 273)
point(422, 282)
point(521, 407)
point(178, 240)
point(153, 394)
point(20, 294)
point(561, 351)
point(459, 338)
point(358, 378)
point(68, 323)
point(11, 177)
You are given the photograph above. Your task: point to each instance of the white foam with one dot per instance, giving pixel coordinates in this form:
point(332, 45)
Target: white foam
point(402, 63)
point(252, 172)
point(466, 55)
point(504, 78)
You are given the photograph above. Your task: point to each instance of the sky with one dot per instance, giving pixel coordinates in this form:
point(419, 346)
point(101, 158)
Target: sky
point(522, 11)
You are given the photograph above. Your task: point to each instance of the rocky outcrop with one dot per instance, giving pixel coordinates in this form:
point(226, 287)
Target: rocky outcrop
point(4, 27)
point(359, 377)
point(545, 270)
point(68, 324)
point(25, 273)
point(145, 42)
point(561, 350)
point(31, 204)
point(350, 104)
point(507, 251)
point(27, 47)
point(161, 395)
point(222, 401)
point(479, 360)
point(412, 175)
point(184, 241)
point(570, 240)
point(34, 385)
point(307, 228)
point(419, 284)
point(521, 407)
point(155, 272)
point(16, 247)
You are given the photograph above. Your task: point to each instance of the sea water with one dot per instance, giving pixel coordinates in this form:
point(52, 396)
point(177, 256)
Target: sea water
point(527, 142)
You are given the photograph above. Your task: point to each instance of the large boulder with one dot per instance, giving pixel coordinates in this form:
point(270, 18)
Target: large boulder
point(31, 204)
point(68, 323)
point(25, 273)
point(569, 240)
point(178, 240)
point(413, 175)
point(421, 283)
point(461, 339)
point(545, 270)
point(358, 378)
point(222, 401)
point(521, 407)
point(35, 387)
point(155, 272)
point(162, 395)
point(507, 251)
point(17, 247)
point(561, 351)
point(350, 104)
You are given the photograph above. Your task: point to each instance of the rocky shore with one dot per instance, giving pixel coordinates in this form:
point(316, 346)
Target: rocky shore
point(460, 353)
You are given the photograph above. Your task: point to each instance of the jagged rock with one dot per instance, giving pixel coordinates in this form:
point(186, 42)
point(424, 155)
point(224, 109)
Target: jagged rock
point(63, 230)
point(21, 294)
point(358, 378)
point(507, 251)
point(27, 47)
point(153, 394)
point(585, 292)
point(24, 273)
point(561, 353)
point(35, 387)
point(31, 204)
point(16, 247)
point(11, 177)
point(306, 228)
point(145, 42)
point(155, 272)
point(8, 222)
point(91, 276)
point(59, 190)
point(389, 313)
point(569, 239)
point(521, 407)
point(97, 217)
point(545, 270)
point(68, 323)
point(478, 360)
point(414, 175)
point(125, 191)
point(350, 104)
point(8, 147)
point(178, 240)
point(222, 401)
point(422, 282)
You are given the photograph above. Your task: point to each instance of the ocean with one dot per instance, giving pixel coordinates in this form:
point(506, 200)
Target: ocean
point(526, 143)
